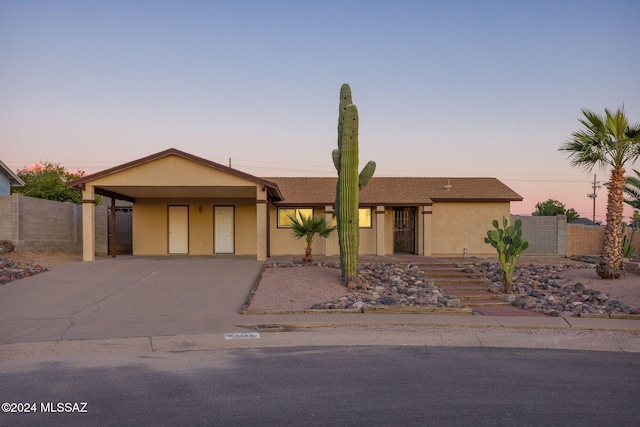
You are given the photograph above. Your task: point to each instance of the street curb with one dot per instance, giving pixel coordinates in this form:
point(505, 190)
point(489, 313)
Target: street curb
point(74, 349)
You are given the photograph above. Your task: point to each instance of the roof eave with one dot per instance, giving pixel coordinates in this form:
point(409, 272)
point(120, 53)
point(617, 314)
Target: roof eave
point(273, 187)
point(14, 180)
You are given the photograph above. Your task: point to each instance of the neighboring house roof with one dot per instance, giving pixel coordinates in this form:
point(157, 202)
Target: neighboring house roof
point(12, 177)
point(271, 186)
point(584, 221)
point(398, 191)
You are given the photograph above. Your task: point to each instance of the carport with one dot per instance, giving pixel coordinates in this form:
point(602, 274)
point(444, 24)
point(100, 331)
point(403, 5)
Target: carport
point(183, 205)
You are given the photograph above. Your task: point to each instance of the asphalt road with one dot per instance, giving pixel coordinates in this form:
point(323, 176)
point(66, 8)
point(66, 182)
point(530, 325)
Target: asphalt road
point(355, 386)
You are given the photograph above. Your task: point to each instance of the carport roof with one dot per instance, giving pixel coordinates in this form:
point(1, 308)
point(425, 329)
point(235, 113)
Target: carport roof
point(271, 187)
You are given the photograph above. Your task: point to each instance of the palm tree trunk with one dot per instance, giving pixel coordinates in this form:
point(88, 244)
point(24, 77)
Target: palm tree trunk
point(307, 254)
point(611, 265)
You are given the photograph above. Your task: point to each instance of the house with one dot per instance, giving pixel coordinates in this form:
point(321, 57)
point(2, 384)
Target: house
point(8, 179)
point(184, 204)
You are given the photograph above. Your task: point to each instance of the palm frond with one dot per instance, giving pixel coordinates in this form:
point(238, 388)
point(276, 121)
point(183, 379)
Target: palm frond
point(603, 141)
point(309, 227)
point(632, 190)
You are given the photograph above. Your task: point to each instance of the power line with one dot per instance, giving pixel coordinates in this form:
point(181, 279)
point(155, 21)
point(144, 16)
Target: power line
point(330, 171)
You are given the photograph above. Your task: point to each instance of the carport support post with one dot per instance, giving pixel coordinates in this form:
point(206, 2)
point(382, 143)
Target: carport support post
point(112, 228)
point(261, 224)
point(88, 224)
point(425, 246)
point(380, 231)
point(328, 242)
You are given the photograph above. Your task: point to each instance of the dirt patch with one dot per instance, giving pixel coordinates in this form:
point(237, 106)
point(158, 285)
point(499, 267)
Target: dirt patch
point(51, 260)
point(296, 288)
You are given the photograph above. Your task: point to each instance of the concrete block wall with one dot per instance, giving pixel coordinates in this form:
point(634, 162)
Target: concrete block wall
point(584, 239)
point(42, 225)
point(46, 225)
point(7, 225)
point(547, 235)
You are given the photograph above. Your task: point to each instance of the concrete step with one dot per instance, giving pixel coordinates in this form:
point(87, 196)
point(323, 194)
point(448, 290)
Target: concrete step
point(465, 283)
point(469, 287)
point(462, 296)
point(485, 303)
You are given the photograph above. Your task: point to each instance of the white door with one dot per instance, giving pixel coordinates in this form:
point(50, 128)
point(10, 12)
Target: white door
point(178, 229)
point(223, 229)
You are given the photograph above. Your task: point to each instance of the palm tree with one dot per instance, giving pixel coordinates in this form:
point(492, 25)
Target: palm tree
point(608, 141)
point(310, 227)
point(632, 189)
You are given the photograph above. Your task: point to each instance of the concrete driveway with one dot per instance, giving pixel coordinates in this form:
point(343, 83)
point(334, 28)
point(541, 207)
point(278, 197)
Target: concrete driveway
point(127, 297)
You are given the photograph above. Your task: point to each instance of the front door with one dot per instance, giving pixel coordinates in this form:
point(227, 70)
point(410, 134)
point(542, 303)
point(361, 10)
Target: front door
point(223, 229)
point(178, 229)
point(404, 230)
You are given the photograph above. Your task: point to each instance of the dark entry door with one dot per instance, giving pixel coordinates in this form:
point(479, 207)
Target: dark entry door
point(124, 234)
point(404, 230)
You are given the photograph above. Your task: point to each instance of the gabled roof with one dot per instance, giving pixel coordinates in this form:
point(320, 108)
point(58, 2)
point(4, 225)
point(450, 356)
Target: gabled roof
point(398, 191)
point(271, 186)
point(14, 180)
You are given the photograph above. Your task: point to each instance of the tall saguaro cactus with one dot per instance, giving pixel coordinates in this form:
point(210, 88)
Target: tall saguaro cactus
point(345, 159)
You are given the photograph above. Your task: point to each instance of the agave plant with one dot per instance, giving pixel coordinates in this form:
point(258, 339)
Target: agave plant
point(310, 227)
point(628, 246)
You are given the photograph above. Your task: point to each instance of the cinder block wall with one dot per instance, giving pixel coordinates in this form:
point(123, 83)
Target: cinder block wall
point(7, 224)
point(584, 239)
point(546, 235)
point(46, 225)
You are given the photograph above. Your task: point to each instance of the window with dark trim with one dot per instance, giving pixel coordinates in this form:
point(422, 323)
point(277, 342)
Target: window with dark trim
point(283, 215)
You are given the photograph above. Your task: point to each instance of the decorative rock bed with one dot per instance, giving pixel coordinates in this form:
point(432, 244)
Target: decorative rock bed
point(385, 285)
point(10, 270)
point(538, 288)
point(541, 288)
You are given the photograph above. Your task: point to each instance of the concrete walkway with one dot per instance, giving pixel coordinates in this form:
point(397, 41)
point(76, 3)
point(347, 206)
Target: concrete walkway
point(148, 304)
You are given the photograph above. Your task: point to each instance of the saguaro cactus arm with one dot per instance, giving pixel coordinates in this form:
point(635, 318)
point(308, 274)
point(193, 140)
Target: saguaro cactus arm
point(366, 174)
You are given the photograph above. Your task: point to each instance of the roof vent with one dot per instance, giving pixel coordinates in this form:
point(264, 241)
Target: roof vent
point(448, 186)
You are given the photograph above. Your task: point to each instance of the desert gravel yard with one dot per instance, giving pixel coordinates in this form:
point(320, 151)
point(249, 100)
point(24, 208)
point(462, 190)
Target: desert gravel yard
point(298, 288)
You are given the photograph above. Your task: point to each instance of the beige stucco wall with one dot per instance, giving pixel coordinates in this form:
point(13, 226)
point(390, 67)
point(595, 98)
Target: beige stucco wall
point(282, 242)
point(150, 225)
point(171, 171)
point(459, 225)
point(388, 225)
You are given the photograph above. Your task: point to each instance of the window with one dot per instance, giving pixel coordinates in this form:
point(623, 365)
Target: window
point(364, 218)
point(284, 213)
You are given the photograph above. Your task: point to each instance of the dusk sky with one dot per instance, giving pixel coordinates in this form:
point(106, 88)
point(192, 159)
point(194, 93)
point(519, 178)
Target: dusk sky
point(444, 88)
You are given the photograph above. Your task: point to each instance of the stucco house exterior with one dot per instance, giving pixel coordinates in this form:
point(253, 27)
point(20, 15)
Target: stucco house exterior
point(8, 179)
point(184, 204)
